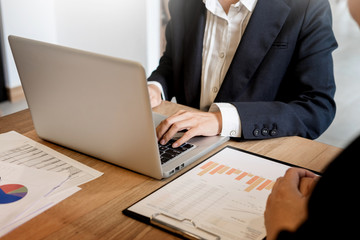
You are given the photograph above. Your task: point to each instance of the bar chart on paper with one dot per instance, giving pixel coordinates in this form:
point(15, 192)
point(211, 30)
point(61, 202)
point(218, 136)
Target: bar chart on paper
point(254, 182)
point(225, 195)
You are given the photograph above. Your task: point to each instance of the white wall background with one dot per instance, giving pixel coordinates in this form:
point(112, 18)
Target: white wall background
point(119, 28)
point(32, 19)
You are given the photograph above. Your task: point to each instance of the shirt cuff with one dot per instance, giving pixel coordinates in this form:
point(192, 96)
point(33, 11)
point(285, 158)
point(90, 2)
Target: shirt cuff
point(231, 123)
point(159, 86)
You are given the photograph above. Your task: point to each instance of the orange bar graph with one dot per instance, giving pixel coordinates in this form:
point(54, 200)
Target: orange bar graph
point(208, 168)
point(270, 186)
point(241, 176)
point(206, 165)
point(231, 171)
point(224, 169)
point(237, 171)
point(252, 180)
point(262, 186)
point(216, 169)
point(254, 184)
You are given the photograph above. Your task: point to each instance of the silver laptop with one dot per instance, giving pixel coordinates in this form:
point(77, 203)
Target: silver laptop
point(97, 105)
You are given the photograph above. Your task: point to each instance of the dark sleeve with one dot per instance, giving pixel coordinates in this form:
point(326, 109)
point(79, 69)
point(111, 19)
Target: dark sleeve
point(304, 105)
point(334, 205)
point(164, 72)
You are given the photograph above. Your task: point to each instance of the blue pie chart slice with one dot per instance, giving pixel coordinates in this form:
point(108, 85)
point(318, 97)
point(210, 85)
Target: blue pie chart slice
point(10, 193)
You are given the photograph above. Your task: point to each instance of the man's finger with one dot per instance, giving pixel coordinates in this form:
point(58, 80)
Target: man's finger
point(186, 137)
point(170, 126)
point(175, 128)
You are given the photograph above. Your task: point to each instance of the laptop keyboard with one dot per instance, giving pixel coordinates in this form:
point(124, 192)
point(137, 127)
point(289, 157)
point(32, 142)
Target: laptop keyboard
point(167, 152)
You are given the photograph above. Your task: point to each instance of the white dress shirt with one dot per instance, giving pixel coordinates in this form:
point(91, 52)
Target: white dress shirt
point(222, 36)
point(223, 33)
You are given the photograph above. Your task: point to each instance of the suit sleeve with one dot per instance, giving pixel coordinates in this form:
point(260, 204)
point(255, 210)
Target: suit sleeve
point(304, 105)
point(164, 72)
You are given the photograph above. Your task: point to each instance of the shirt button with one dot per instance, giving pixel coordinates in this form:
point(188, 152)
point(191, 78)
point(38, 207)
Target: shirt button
point(232, 133)
point(215, 89)
point(222, 55)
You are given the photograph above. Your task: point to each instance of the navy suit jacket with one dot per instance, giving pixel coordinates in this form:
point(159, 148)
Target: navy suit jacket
point(281, 77)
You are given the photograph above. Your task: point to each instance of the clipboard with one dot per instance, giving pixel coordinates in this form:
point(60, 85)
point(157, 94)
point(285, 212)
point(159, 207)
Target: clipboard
point(223, 197)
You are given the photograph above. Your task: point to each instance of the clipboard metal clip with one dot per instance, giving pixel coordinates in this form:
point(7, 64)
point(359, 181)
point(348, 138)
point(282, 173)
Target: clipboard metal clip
point(155, 219)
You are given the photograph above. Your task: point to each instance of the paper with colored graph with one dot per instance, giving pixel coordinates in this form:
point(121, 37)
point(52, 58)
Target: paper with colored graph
point(34, 178)
point(225, 195)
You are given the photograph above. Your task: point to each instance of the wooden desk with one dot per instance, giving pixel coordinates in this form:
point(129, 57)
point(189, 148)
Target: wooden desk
point(95, 212)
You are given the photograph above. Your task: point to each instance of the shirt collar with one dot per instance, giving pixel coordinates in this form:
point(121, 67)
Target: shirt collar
point(212, 5)
point(249, 4)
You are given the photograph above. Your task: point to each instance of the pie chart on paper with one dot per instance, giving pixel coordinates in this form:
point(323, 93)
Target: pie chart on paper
point(10, 193)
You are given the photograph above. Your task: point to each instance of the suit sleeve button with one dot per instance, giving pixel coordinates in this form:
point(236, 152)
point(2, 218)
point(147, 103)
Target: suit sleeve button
point(265, 132)
point(256, 132)
point(273, 132)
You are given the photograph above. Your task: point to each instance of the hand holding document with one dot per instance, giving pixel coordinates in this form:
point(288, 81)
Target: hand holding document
point(34, 178)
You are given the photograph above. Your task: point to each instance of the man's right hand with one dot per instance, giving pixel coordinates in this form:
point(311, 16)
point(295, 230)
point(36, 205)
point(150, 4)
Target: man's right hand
point(155, 95)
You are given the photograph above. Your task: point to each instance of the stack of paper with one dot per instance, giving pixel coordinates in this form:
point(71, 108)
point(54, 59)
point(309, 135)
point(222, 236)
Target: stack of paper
point(34, 178)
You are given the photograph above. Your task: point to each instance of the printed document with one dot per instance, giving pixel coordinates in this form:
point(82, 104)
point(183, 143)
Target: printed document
point(223, 197)
point(34, 178)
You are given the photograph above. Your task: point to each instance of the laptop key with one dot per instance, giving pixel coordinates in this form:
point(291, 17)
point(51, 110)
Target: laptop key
point(167, 152)
point(173, 152)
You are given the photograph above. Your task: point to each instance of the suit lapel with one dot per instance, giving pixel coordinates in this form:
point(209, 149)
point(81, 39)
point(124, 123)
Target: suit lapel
point(263, 28)
point(192, 56)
